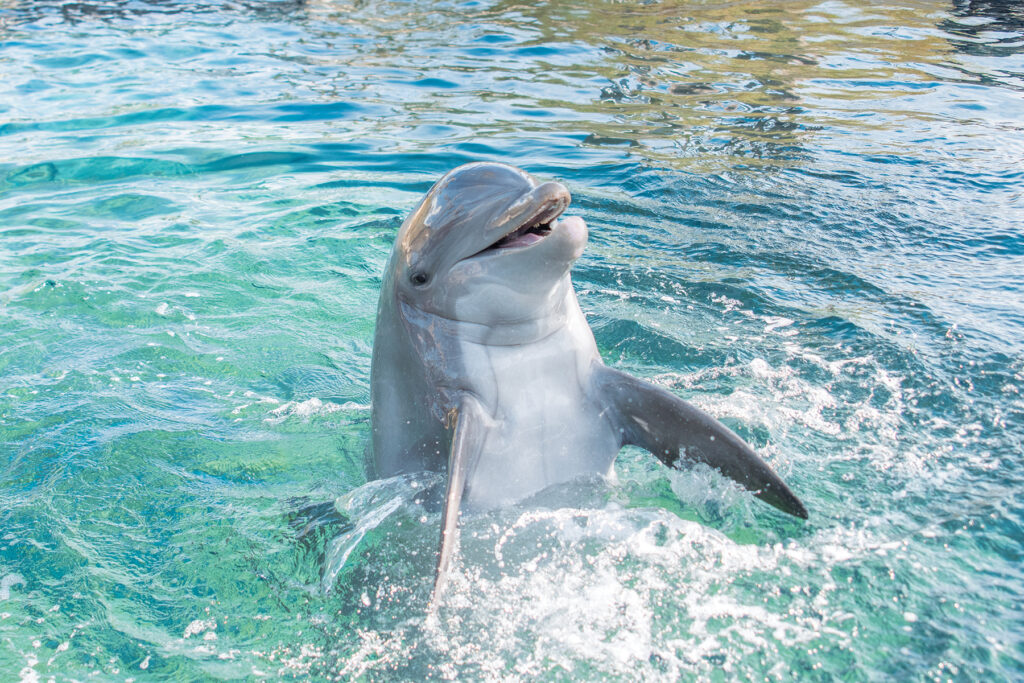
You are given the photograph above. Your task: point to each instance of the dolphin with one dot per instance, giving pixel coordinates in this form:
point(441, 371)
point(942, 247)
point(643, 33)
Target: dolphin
point(484, 365)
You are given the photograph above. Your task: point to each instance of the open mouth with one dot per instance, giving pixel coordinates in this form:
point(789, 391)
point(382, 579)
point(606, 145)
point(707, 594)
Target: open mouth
point(524, 236)
point(532, 230)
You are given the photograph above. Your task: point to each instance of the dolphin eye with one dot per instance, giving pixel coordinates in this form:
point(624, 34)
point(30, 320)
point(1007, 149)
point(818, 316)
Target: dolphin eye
point(419, 278)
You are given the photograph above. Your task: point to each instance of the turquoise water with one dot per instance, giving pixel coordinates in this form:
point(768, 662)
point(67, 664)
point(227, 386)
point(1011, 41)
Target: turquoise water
point(806, 218)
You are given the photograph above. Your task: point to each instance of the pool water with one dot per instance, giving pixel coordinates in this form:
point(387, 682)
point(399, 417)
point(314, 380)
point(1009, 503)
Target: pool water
point(806, 218)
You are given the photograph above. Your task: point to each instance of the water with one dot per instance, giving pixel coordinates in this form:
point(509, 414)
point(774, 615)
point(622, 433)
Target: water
point(806, 218)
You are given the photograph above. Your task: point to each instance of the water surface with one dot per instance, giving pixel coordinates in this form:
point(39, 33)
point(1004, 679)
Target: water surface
point(806, 218)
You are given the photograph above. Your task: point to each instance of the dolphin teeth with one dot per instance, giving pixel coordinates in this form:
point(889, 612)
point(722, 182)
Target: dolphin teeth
point(540, 227)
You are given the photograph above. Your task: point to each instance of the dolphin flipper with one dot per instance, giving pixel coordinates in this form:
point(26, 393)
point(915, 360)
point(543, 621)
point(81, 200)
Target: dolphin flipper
point(469, 423)
point(655, 420)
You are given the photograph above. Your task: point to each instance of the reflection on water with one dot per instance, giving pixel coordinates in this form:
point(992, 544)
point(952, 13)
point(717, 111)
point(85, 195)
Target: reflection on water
point(987, 28)
point(805, 218)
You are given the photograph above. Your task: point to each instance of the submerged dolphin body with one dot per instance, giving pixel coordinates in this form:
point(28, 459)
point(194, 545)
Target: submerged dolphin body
point(484, 365)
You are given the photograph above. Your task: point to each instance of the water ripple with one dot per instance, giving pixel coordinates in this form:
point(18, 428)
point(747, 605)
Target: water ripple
point(804, 219)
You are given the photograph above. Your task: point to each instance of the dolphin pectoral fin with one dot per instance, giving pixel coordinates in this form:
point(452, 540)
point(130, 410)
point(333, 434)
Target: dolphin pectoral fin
point(467, 440)
point(655, 420)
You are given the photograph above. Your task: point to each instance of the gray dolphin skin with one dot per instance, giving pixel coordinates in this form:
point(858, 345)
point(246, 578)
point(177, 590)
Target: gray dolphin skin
point(484, 365)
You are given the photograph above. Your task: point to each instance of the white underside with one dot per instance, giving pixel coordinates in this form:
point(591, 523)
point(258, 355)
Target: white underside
point(547, 425)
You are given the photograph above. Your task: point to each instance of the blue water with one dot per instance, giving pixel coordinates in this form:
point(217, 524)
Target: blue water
point(806, 218)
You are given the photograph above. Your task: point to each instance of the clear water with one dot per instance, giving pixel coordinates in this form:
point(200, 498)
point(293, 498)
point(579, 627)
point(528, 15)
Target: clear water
point(807, 218)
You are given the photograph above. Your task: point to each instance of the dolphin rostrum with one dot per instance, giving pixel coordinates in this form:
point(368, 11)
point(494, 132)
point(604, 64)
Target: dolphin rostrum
point(484, 365)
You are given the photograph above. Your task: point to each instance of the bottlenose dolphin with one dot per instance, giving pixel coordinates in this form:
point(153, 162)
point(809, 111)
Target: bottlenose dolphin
point(484, 365)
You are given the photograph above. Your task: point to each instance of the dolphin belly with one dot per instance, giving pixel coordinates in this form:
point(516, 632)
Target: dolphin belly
point(534, 444)
point(547, 426)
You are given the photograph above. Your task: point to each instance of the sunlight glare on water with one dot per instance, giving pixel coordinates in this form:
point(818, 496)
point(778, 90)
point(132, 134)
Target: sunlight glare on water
point(806, 218)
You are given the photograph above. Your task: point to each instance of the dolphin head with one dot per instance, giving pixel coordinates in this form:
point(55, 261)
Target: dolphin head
point(487, 245)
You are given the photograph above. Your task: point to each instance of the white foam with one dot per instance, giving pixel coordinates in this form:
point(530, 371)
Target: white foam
point(309, 408)
point(198, 626)
point(585, 586)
